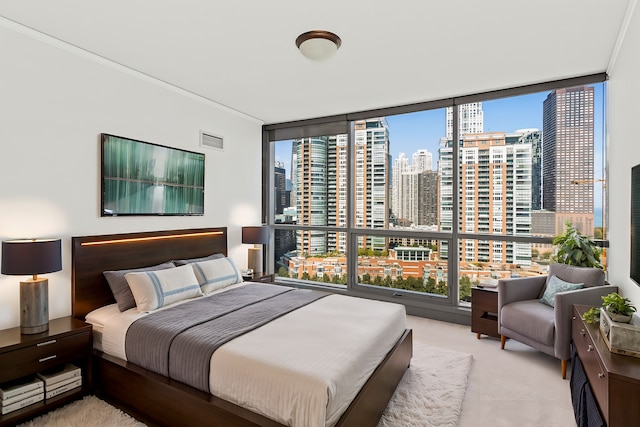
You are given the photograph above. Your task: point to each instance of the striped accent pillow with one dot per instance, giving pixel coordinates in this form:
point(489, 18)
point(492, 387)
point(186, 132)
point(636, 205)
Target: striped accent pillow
point(155, 289)
point(216, 274)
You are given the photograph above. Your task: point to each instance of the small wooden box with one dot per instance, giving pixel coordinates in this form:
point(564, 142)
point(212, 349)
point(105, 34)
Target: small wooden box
point(621, 338)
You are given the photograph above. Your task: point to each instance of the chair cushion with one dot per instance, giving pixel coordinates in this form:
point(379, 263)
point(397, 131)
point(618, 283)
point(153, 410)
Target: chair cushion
point(572, 274)
point(556, 285)
point(531, 319)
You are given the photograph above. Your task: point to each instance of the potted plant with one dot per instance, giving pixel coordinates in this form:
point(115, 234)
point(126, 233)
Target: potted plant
point(592, 315)
point(574, 248)
point(618, 308)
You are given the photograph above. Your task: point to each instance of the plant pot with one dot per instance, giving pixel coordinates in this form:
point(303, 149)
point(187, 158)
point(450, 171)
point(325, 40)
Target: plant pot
point(620, 318)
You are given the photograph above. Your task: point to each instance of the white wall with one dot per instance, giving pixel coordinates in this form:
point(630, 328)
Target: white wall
point(54, 103)
point(623, 149)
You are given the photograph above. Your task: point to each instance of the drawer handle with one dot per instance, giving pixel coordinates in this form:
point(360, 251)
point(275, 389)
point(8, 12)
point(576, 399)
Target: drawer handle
point(600, 375)
point(40, 344)
point(573, 317)
point(589, 347)
point(582, 332)
point(44, 359)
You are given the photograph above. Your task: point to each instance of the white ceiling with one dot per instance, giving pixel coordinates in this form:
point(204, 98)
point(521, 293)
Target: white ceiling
point(242, 53)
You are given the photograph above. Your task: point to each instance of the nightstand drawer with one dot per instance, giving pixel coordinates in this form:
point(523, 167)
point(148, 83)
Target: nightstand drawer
point(45, 354)
point(266, 278)
point(485, 299)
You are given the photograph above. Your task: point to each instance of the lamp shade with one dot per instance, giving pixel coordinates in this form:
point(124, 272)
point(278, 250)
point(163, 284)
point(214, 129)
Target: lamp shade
point(37, 256)
point(258, 235)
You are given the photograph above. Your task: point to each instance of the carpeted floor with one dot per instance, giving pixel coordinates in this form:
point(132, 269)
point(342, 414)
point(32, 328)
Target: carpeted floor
point(430, 394)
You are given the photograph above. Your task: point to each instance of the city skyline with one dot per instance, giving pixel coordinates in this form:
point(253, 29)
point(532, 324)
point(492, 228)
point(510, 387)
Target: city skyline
point(404, 174)
point(411, 132)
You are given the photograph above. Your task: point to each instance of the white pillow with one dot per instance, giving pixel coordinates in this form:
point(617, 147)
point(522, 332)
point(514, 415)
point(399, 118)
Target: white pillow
point(216, 274)
point(155, 289)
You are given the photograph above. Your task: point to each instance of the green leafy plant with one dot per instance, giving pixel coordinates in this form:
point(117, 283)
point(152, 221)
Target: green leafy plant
point(592, 315)
point(615, 303)
point(574, 248)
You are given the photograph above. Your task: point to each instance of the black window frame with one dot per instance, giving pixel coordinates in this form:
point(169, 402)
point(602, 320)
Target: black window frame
point(427, 305)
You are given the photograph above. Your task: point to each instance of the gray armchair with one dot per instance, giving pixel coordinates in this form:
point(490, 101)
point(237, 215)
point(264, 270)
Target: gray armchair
point(522, 317)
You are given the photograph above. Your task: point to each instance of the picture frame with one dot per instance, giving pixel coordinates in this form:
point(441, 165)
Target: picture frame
point(143, 178)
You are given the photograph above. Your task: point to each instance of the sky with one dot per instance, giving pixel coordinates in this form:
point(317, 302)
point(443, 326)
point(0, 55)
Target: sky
point(410, 132)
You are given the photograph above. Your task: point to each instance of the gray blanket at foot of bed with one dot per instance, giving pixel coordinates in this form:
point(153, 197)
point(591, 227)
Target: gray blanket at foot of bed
point(178, 342)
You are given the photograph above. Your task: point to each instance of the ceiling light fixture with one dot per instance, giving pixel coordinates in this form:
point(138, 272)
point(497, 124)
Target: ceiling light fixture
point(318, 45)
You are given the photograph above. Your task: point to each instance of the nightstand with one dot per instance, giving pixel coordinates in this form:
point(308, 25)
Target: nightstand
point(68, 340)
point(484, 311)
point(263, 277)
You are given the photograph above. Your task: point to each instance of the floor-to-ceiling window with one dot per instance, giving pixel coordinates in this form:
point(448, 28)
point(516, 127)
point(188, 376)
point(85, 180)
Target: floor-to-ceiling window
point(310, 199)
point(418, 203)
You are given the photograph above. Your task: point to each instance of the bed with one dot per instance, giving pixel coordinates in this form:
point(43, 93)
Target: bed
point(159, 400)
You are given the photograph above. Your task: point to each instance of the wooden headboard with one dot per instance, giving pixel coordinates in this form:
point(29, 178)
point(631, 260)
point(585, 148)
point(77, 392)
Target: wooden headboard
point(91, 255)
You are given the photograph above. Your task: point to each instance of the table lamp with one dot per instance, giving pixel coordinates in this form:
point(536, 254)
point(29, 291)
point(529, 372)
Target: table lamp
point(36, 256)
point(258, 236)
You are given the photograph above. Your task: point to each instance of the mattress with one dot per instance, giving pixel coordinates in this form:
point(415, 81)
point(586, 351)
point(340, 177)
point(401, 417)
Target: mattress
point(302, 369)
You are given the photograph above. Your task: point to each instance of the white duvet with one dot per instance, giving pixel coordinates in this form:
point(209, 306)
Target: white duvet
point(302, 369)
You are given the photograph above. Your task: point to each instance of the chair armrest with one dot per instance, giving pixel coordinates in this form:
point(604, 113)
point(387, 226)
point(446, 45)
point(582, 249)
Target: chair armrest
point(563, 302)
point(519, 289)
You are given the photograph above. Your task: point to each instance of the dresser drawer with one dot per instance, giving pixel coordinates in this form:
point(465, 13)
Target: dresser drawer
point(596, 373)
point(34, 358)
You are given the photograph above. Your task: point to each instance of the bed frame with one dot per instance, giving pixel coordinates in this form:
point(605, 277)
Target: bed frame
point(157, 400)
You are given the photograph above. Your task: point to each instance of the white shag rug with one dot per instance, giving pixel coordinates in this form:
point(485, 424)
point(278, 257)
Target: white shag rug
point(431, 391)
point(88, 412)
point(430, 394)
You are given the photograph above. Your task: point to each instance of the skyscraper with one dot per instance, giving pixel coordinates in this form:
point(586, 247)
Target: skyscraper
point(372, 194)
point(494, 195)
point(320, 176)
point(310, 170)
point(427, 198)
point(470, 118)
point(401, 166)
point(282, 199)
point(414, 189)
point(422, 160)
point(568, 163)
point(533, 137)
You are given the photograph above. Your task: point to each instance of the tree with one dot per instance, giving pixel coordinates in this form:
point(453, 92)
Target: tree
point(441, 289)
point(283, 272)
point(430, 286)
point(388, 282)
point(465, 288)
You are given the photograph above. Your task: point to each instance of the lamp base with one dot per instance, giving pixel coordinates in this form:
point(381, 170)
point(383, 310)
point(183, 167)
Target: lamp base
point(254, 260)
point(34, 306)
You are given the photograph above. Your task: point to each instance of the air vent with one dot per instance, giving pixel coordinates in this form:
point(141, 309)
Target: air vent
point(211, 141)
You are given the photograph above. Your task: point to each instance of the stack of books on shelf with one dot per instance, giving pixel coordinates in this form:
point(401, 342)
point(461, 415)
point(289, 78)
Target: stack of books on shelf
point(61, 379)
point(17, 394)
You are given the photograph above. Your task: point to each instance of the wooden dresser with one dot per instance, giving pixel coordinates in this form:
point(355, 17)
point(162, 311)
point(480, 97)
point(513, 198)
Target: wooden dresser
point(614, 379)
